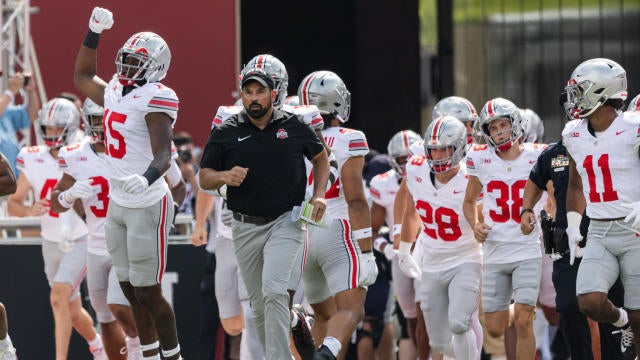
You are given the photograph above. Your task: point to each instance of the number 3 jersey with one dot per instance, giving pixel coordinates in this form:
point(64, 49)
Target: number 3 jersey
point(41, 170)
point(81, 162)
point(127, 141)
point(503, 184)
point(608, 164)
point(446, 239)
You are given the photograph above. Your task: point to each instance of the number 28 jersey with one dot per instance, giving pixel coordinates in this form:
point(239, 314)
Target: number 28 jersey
point(608, 164)
point(446, 239)
point(127, 141)
point(503, 184)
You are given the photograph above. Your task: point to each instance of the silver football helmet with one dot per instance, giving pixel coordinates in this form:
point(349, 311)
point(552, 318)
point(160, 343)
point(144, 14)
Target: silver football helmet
point(399, 147)
point(500, 108)
point(328, 92)
point(92, 115)
point(152, 55)
point(533, 128)
point(592, 83)
point(449, 133)
point(634, 105)
point(458, 107)
point(59, 113)
point(292, 100)
point(276, 69)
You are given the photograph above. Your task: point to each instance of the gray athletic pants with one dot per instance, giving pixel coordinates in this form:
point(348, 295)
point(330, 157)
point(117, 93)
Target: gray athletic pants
point(266, 257)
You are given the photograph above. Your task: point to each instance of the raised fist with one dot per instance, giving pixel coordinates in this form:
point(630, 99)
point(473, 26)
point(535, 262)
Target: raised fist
point(101, 19)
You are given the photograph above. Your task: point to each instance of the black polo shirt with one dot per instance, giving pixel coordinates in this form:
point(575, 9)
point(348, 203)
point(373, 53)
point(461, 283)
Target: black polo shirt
point(276, 179)
point(553, 164)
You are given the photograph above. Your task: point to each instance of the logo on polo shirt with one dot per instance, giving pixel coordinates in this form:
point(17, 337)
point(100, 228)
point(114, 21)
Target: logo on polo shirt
point(282, 134)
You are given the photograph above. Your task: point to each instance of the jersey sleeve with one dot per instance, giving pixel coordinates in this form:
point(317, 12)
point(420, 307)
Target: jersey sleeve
point(470, 163)
point(354, 143)
point(540, 173)
point(375, 188)
point(162, 99)
point(69, 156)
point(310, 116)
point(223, 113)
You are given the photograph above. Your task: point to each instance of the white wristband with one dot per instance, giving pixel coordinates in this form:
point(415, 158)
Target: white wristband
point(12, 97)
point(397, 229)
point(63, 201)
point(574, 219)
point(377, 244)
point(405, 248)
point(362, 233)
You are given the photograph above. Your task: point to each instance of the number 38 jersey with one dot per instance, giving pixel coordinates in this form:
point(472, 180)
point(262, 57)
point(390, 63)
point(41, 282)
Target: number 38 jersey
point(128, 145)
point(41, 170)
point(82, 163)
point(446, 238)
point(608, 164)
point(503, 184)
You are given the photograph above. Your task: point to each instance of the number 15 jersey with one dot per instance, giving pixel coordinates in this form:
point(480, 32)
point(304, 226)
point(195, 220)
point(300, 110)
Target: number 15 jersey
point(127, 141)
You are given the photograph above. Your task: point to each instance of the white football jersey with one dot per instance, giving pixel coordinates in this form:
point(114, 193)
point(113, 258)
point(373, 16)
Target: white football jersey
point(608, 164)
point(81, 162)
point(309, 114)
point(222, 230)
point(128, 146)
point(345, 143)
point(41, 170)
point(383, 189)
point(503, 186)
point(447, 240)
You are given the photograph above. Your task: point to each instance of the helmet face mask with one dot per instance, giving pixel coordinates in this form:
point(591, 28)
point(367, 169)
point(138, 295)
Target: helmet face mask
point(398, 149)
point(145, 57)
point(592, 83)
point(61, 114)
point(92, 115)
point(496, 109)
point(275, 69)
point(327, 91)
point(449, 134)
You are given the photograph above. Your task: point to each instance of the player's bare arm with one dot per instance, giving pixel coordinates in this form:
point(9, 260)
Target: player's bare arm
point(411, 222)
point(359, 214)
point(575, 197)
point(470, 209)
point(211, 179)
point(15, 203)
point(159, 126)
point(399, 204)
point(530, 198)
point(204, 205)
point(65, 182)
point(320, 171)
point(8, 183)
point(377, 219)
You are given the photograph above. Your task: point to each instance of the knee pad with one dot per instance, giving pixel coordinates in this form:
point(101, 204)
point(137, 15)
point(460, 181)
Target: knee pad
point(377, 328)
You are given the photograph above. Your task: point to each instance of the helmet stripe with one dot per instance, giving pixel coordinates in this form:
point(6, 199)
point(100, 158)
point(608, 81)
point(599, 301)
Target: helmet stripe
point(260, 62)
point(52, 109)
point(637, 107)
point(405, 139)
point(471, 109)
point(436, 129)
point(305, 88)
point(490, 108)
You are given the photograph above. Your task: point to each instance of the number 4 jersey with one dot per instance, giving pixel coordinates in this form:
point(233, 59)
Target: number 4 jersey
point(503, 184)
point(446, 238)
point(608, 164)
point(127, 141)
point(81, 162)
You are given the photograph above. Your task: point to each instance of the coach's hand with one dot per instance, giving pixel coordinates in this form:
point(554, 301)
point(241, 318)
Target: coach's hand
point(134, 184)
point(527, 222)
point(319, 208)
point(199, 236)
point(101, 19)
point(235, 176)
point(368, 269)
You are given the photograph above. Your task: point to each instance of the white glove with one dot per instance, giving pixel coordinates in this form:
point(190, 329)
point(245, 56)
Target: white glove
point(101, 19)
point(406, 262)
point(389, 253)
point(634, 216)
point(134, 184)
point(80, 190)
point(573, 235)
point(368, 269)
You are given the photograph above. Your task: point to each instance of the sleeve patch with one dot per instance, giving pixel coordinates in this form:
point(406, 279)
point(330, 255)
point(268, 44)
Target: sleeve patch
point(164, 103)
point(375, 193)
point(358, 144)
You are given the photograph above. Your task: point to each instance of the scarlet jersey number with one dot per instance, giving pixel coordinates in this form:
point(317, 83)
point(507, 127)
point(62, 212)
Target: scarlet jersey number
point(603, 163)
point(112, 136)
point(506, 193)
point(446, 220)
point(103, 196)
point(47, 188)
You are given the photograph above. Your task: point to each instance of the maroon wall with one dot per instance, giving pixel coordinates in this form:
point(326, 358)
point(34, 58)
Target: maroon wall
point(200, 34)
